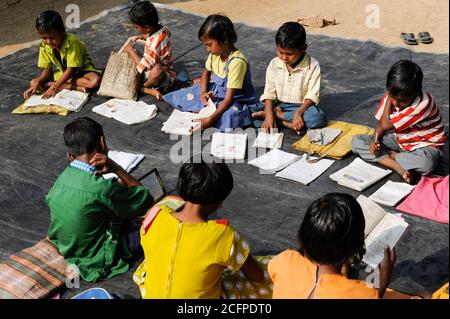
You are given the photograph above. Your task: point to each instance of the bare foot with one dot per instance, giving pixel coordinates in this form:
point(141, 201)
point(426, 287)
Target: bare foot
point(261, 115)
point(72, 87)
point(152, 92)
point(407, 177)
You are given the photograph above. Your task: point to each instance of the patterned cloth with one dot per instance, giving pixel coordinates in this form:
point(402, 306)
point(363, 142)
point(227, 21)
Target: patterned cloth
point(418, 125)
point(158, 49)
point(33, 273)
point(302, 83)
point(83, 166)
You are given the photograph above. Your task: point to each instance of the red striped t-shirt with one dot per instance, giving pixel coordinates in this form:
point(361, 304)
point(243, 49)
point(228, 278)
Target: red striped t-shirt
point(418, 125)
point(158, 49)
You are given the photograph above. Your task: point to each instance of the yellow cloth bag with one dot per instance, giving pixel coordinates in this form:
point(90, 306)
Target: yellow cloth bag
point(340, 147)
point(441, 293)
point(41, 109)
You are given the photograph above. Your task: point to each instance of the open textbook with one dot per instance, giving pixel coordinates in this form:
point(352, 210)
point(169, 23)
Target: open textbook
point(269, 140)
point(359, 175)
point(381, 229)
point(305, 172)
point(229, 146)
point(274, 161)
point(127, 111)
point(182, 123)
point(127, 161)
point(391, 193)
point(71, 100)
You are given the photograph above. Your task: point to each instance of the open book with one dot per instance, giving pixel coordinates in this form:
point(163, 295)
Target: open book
point(274, 161)
point(359, 175)
point(127, 161)
point(182, 123)
point(127, 111)
point(229, 146)
point(382, 229)
point(71, 100)
point(267, 140)
point(303, 172)
point(391, 193)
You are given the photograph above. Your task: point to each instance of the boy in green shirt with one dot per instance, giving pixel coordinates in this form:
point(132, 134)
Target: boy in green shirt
point(88, 212)
point(74, 69)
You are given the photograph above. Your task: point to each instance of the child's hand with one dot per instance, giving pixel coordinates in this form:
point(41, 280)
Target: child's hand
point(205, 96)
point(103, 164)
point(269, 123)
point(51, 92)
point(374, 147)
point(205, 122)
point(386, 266)
point(129, 48)
point(297, 121)
point(34, 86)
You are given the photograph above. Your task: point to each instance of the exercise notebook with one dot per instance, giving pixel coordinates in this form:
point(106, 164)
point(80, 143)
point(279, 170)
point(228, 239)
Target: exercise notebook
point(359, 175)
point(127, 161)
point(381, 229)
point(269, 140)
point(274, 161)
point(229, 146)
point(391, 193)
point(127, 111)
point(304, 172)
point(70, 100)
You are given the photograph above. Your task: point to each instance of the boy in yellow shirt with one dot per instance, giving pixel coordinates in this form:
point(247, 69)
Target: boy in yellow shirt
point(73, 66)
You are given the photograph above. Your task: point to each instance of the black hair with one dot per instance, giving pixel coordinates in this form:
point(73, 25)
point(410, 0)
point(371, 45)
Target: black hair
point(332, 231)
point(218, 27)
point(203, 183)
point(82, 136)
point(144, 13)
point(48, 21)
point(291, 35)
point(404, 79)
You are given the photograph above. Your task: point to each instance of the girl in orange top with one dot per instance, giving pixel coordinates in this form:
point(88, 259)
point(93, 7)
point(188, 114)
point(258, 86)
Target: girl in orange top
point(331, 238)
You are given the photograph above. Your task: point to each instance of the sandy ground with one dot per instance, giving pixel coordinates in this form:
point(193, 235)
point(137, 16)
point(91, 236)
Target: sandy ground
point(394, 17)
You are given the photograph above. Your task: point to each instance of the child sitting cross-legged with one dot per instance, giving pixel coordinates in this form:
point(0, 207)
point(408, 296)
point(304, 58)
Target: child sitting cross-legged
point(92, 217)
point(186, 253)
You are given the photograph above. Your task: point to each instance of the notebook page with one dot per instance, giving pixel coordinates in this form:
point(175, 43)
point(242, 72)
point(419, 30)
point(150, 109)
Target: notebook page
point(373, 213)
point(391, 193)
point(304, 172)
point(274, 161)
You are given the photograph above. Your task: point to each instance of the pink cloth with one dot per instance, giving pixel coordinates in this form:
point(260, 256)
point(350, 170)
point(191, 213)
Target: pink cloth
point(429, 199)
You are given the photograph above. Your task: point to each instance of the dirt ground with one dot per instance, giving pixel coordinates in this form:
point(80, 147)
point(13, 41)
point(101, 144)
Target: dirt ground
point(358, 19)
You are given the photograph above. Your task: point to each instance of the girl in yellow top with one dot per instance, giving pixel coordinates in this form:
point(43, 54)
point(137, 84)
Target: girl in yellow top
point(186, 254)
point(68, 54)
point(331, 238)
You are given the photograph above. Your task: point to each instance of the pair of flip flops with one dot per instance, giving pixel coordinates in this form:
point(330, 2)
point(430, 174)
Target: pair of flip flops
point(424, 37)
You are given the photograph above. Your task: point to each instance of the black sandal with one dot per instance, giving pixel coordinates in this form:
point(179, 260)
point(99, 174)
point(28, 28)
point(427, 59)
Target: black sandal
point(409, 38)
point(425, 37)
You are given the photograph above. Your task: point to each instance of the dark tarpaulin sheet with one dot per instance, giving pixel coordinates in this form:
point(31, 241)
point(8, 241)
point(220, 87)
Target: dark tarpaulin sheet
point(268, 211)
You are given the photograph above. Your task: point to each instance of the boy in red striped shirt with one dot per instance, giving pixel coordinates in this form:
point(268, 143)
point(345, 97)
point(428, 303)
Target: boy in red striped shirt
point(415, 145)
point(156, 63)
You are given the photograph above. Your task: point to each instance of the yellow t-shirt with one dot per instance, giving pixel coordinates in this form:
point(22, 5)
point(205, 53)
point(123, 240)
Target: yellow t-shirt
point(186, 260)
point(73, 54)
point(236, 69)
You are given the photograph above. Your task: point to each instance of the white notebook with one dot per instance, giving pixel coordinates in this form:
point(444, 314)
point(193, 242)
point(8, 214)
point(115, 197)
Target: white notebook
point(381, 229)
point(359, 175)
point(229, 146)
point(268, 140)
point(127, 111)
point(303, 172)
point(70, 100)
point(274, 161)
point(182, 123)
point(391, 193)
point(127, 161)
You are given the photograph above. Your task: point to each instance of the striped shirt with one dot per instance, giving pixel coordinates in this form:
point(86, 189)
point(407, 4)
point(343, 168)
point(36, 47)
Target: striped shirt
point(158, 49)
point(302, 83)
point(418, 125)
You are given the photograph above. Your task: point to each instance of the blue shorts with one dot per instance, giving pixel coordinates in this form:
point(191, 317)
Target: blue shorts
point(313, 116)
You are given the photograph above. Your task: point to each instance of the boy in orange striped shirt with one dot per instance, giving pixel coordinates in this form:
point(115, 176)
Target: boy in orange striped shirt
point(156, 63)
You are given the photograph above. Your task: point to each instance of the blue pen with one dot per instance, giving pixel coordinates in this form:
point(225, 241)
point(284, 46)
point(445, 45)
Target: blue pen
point(352, 178)
point(321, 138)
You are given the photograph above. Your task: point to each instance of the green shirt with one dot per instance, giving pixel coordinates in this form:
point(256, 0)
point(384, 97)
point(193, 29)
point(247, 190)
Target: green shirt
point(85, 221)
point(73, 54)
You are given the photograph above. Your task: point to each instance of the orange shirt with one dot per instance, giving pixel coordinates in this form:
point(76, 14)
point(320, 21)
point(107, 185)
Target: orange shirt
point(293, 277)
